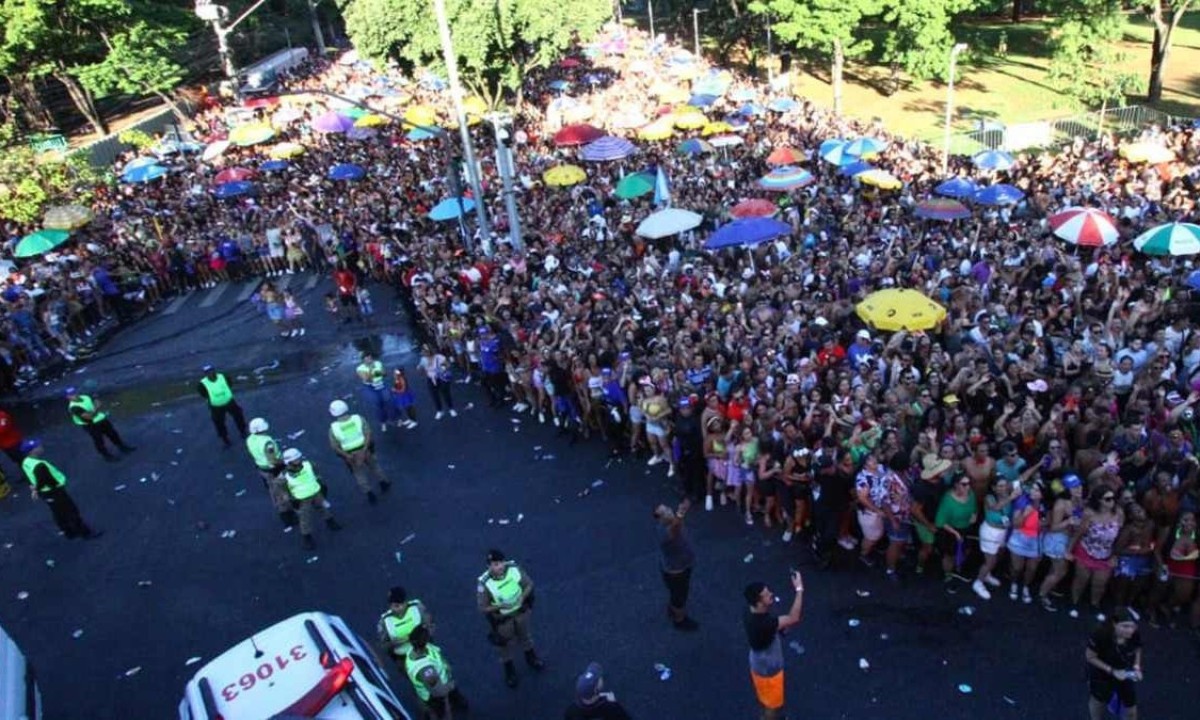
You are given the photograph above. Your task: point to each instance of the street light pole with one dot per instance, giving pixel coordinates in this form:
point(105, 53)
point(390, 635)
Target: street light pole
point(770, 55)
point(650, 7)
point(505, 164)
point(216, 14)
point(696, 28)
point(954, 52)
point(316, 26)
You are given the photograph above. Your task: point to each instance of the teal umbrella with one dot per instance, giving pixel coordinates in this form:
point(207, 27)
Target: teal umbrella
point(1170, 239)
point(40, 242)
point(635, 185)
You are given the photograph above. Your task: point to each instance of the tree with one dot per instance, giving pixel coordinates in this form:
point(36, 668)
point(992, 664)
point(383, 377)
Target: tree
point(1085, 56)
point(139, 61)
point(1164, 16)
point(918, 39)
point(497, 42)
point(830, 27)
point(30, 183)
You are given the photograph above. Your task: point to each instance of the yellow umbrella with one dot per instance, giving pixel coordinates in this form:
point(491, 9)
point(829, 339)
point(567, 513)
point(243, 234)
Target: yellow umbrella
point(900, 309)
point(685, 72)
point(716, 128)
point(564, 176)
point(675, 95)
point(67, 217)
point(881, 179)
point(286, 150)
point(421, 115)
point(1147, 152)
point(475, 105)
point(251, 134)
point(688, 120)
point(370, 121)
point(659, 130)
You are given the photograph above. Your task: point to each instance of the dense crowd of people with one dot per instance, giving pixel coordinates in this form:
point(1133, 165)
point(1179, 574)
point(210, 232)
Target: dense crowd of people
point(1040, 442)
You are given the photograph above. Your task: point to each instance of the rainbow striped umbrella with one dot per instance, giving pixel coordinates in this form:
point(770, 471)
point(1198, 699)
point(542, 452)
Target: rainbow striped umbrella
point(941, 209)
point(786, 178)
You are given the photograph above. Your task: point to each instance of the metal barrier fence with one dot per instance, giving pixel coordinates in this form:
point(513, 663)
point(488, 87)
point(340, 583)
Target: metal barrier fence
point(103, 152)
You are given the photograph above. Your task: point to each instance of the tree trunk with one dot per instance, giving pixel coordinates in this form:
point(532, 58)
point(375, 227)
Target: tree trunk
point(1158, 58)
point(1160, 46)
point(170, 101)
point(82, 101)
point(30, 111)
point(839, 64)
point(1016, 11)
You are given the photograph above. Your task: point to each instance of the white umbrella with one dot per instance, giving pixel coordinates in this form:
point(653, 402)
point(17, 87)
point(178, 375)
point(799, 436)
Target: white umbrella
point(214, 150)
point(721, 141)
point(670, 221)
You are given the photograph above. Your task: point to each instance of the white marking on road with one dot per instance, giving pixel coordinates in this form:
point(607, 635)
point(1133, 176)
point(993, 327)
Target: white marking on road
point(283, 282)
point(214, 295)
point(177, 303)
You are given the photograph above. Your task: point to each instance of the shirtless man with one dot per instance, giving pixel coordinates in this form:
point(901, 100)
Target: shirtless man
point(980, 468)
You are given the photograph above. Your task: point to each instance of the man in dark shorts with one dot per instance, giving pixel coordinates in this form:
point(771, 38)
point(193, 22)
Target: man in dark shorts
point(766, 648)
point(1114, 664)
point(676, 560)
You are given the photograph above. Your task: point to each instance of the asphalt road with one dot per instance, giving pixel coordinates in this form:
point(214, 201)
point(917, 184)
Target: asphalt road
point(164, 586)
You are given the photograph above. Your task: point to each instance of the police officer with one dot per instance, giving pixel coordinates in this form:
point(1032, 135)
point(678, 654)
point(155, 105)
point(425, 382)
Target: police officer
point(267, 457)
point(307, 493)
point(375, 390)
point(431, 677)
point(48, 483)
point(397, 624)
point(214, 388)
point(85, 412)
point(505, 595)
point(350, 437)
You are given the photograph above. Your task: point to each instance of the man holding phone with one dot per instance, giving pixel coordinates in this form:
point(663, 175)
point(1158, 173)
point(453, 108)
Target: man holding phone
point(766, 648)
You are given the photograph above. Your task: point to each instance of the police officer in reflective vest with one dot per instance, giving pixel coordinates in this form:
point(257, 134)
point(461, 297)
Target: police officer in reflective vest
point(48, 483)
point(505, 596)
point(214, 388)
point(308, 495)
point(397, 624)
point(350, 437)
point(85, 412)
point(375, 390)
point(431, 677)
point(266, 454)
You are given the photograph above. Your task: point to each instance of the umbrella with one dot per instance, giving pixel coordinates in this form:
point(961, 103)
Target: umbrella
point(1147, 152)
point(784, 155)
point(786, 178)
point(564, 176)
point(659, 130)
point(67, 217)
point(569, 62)
point(347, 171)
point(1087, 227)
point(743, 95)
point(274, 166)
point(628, 119)
point(747, 231)
point(702, 100)
point(635, 185)
point(670, 221)
point(236, 174)
point(371, 121)
point(1170, 239)
point(941, 209)
point(580, 134)
point(233, 189)
point(559, 85)
point(999, 194)
point(753, 208)
point(332, 122)
point(418, 134)
point(361, 133)
point(993, 160)
point(144, 174)
point(286, 151)
point(251, 134)
point(1193, 280)
point(881, 179)
point(693, 146)
point(260, 102)
point(421, 115)
point(170, 147)
point(715, 128)
point(900, 309)
point(751, 109)
point(286, 116)
point(957, 187)
point(354, 112)
point(42, 241)
point(828, 145)
point(782, 105)
point(139, 162)
point(608, 148)
point(451, 208)
point(475, 105)
point(214, 150)
point(725, 141)
point(688, 120)
point(865, 146)
point(837, 153)
point(858, 167)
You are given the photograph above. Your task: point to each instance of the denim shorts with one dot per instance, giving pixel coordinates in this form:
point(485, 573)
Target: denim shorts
point(902, 534)
point(1054, 545)
point(1022, 545)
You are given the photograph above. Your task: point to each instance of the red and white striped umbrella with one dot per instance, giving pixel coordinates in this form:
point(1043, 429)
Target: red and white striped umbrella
point(1087, 227)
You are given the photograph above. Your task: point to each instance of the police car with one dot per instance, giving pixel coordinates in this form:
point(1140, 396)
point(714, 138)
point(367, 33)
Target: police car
point(311, 665)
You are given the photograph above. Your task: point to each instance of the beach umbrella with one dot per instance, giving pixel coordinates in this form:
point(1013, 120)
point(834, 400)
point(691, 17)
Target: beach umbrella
point(361, 133)
point(751, 109)
point(138, 163)
point(252, 134)
point(286, 151)
point(627, 120)
point(1087, 227)
point(897, 309)
point(1147, 152)
point(332, 122)
point(747, 232)
point(608, 148)
point(743, 95)
point(564, 176)
point(274, 166)
point(670, 221)
point(1170, 239)
point(837, 154)
point(715, 128)
point(451, 209)
point(721, 141)
point(144, 174)
point(881, 179)
point(993, 160)
point(941, 209)
point(371, 121)
point(233, 189)
point(286, 116)
point(784, 155)
point(347, 171)
point(999, 194)
point(858, 167)
point(782, 105)
point(693, 146)
point(786, 178)
point(754, 207)
point(235, 174)
point(702, 100)
point(580, 134)
point(957, 187)
point(688, 120)
point(475, 105)
point(40, 242)
point(659, 130)
point(634, 185)
point(865, 146)
point(419, 134)
point(67, 217)
point(214, 150)
point(354, 112)
point(421, 115)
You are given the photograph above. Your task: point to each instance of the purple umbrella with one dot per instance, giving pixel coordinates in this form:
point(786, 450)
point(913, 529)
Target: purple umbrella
point(608, 148)
point(332, 122)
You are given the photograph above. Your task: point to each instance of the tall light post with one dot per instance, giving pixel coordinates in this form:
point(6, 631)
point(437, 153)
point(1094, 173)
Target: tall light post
point(500, 124)
point(650, 7)
point(217, 15)
point(316, 26)
point(770, 55)
point(696, 28)
point(954, 53)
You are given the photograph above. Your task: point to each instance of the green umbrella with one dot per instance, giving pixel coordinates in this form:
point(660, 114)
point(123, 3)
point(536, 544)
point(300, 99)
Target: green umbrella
point(40, 242)
point(353, 113)
point(635, 185)
point(1170, 239)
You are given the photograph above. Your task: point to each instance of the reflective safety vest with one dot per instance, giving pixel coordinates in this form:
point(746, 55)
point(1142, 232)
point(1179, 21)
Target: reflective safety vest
point(398, 628)
point(85, 403)
point(257, 444)
point(371, 375)
point(30, 466)
point(349, 433)
point(415, 666)
point(219, 392)
point(303, 484)
point(505, 592)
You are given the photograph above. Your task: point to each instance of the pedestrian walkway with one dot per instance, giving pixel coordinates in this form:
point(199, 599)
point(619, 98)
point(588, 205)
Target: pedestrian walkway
point(238, 292)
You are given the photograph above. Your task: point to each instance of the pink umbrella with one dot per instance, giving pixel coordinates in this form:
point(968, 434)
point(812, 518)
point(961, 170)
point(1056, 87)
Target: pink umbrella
point(754, 208)
point(1087, 227)
point(234, 174)
point(569, 62)
point(332, 122)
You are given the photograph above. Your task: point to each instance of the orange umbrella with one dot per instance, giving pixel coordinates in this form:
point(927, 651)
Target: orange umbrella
point(784, 155)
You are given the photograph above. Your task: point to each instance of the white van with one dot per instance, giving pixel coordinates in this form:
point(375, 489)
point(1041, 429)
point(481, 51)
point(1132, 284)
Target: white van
point(311, 665)
point(20, 698)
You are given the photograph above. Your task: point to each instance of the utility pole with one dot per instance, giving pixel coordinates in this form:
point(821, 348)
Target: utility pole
point(696, 28)
point(954, 52)
point(316, 26)
point(650, 7)
point(217, 15)
point(500, 123)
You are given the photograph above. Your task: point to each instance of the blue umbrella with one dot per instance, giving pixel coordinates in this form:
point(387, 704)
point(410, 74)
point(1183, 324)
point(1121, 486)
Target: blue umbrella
point(782, 105)
point(418, 134)
point(139, 162)
point(593, 79)
point(829, 145)
point(710, 85)
point(748, 232)
point(347, 171)
point(993, 160)
point(559, 85)
point(702, 100)
point(233, 189)
point(858, 167)
point(837, 154)
point(1193, 280)
point(751, 109)
point(144, 174)
point(450, 208)
point(608, 148)
point(865, 146)
point(1000, 194)
point(274, 166)
point(957, 187)
point(743, 95)
point(738, 122)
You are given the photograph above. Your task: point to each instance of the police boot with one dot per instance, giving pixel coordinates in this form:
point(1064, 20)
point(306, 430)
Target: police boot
point(332, 524)
point(288, 518)
point(371, 499)
point(510, 674)
point(534, 661)
point(308, 542)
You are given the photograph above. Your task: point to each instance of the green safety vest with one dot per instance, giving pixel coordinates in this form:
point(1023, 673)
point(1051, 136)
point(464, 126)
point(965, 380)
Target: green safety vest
point(505, 592)
point(431, 659)
point(30, 466)
point(257, 444)
point(303, 484)
point(349, 433)
point(374, 373)
point(85, 402)
point(219, 392)
point(399, 627)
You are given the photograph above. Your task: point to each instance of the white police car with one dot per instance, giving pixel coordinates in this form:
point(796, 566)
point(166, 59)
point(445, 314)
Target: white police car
point(20, 698)
point(311, 665)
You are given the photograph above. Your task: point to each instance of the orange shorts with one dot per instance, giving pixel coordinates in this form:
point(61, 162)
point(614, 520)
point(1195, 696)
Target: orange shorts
point(769, 689)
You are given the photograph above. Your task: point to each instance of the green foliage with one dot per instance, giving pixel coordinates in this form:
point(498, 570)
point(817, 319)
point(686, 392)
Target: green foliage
point(30, 183)
point(918, 36)
point(137, 138)
point(140, 59)
point(1085, 53)
point(818, 24)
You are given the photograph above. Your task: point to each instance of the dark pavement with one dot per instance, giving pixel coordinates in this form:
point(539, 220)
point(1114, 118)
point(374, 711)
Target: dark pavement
point(163, 585)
